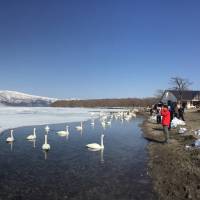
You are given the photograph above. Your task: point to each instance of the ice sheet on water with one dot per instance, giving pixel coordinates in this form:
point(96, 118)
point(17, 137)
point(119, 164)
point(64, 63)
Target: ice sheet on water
point(12, 117)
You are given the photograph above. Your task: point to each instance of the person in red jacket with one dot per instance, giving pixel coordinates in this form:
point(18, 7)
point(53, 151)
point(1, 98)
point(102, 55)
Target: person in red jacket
point(165, 121)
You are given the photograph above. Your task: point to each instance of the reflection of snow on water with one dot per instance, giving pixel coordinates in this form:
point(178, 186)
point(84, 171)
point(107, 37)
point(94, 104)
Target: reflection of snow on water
point(12, 117)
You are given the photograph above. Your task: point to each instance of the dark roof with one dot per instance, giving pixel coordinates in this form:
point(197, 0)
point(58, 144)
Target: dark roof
point(186, 94)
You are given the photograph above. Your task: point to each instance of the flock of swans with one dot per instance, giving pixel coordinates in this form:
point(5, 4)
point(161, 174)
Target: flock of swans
point(105, 119)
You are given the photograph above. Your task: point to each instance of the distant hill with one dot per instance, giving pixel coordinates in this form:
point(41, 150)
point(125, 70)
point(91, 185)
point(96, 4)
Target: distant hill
point(129, 102)
point(13, 98)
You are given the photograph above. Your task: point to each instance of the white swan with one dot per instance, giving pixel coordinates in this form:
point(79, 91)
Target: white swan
point(32, 136)
point(47, 128)
point(45, 146)
point(108, 122)
point(63, 133)
point(92, 122)
point(95, 145)
point(11, 138)
point(103, 123)
point(79, 128)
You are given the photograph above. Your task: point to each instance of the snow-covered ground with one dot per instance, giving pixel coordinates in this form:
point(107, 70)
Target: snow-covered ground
point(12, 117)
point(14, 97)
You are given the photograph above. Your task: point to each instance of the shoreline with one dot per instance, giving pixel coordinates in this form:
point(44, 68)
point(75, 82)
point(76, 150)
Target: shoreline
point(175, 171)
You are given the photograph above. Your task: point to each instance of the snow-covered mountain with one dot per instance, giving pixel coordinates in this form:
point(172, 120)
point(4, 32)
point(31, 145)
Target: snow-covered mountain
point(13, 98)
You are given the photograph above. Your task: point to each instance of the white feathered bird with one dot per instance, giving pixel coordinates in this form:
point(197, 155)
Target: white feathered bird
point(32, 136)
point(79, 128)
point(45, 146)
point(95, 145)
point(11, 138)
point(64, 132)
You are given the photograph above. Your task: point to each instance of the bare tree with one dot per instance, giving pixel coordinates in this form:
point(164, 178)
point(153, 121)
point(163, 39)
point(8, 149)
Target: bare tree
point(159, 93)
point(180, 84)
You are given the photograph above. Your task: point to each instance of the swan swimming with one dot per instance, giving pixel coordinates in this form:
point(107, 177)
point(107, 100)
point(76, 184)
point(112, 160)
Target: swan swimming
point(11, 138)
point(92, 122)
point(47, 128)
point(95, 145)
point(33, 136)
point(45, 146)
point(103, 123)
point(79, 128)
point(63, 133)
point(109, 122)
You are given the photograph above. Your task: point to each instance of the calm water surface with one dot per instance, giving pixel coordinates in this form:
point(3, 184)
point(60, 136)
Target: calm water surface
point(71, 171)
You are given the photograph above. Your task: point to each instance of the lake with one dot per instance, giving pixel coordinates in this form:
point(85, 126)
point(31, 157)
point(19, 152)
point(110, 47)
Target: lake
point(69, 170)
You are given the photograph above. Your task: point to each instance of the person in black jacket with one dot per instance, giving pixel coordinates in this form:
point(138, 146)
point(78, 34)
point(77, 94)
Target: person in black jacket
point(181, 113)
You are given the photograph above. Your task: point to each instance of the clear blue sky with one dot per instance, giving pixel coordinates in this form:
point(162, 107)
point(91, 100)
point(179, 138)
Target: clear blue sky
point(98, 48)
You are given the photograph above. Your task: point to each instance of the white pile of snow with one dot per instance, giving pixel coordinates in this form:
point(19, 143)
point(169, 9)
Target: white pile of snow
point(182, 130)
point(177, 122)
point(12, 117)
point(197, 132)
point(153, 118)
point(135, 110)
point(197, 143)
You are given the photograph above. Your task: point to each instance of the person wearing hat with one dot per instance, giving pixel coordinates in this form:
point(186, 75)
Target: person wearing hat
point(165, 121)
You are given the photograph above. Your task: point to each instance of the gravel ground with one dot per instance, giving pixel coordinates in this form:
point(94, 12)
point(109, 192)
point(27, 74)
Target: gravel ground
point(175, 170)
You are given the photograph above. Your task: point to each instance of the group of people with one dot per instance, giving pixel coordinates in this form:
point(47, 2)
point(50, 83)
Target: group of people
point(165, 114)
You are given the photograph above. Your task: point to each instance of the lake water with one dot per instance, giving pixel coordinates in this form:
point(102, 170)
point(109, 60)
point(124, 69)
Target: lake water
point(69, 170)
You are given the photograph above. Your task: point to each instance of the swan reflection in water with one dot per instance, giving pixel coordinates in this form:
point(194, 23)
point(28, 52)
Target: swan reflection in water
point(81, 132)
point(101, 154)
point(45, 154)
point(92, 123)
point(34, 142)
point(66, 137)
point(11, 145)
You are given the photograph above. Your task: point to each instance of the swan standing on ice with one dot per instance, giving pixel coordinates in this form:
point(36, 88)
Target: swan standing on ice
point(80, 128)
point(64, 133)
point(95, 145)
point(32, 136)
point(11, 138)
point(45, 146)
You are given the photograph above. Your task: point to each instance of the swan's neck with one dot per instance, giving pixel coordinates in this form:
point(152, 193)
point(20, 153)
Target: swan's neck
point(34, 131)
point(81, 124)
point(45, 139)
point(102, 141)
point(11, 134)
point(67, 130)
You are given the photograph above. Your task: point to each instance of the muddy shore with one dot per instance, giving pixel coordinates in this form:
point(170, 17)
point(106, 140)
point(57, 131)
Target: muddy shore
point(175, 170)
